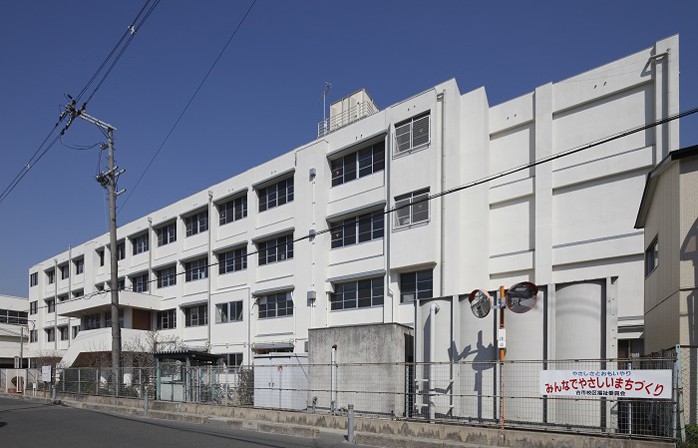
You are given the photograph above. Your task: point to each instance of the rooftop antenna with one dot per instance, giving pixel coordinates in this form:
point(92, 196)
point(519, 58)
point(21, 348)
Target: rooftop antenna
point(327, 88)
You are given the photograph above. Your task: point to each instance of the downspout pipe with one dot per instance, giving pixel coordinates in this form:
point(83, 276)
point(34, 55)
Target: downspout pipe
point(209, 256)
point(333, 379)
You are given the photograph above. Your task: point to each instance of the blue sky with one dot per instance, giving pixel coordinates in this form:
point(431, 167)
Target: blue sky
point(262, 99)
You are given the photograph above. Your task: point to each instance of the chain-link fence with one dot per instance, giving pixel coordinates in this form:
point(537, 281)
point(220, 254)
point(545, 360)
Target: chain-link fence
point(602, 399)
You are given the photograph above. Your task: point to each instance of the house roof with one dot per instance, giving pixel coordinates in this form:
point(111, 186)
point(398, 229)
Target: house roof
point(653, 178)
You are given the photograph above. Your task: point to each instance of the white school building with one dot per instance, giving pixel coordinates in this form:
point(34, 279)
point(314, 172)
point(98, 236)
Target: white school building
point(247, 266)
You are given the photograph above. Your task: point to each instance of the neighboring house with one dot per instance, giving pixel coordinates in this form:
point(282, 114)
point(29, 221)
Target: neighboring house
point(669, 215)
point(220, 270)
point(14, 329)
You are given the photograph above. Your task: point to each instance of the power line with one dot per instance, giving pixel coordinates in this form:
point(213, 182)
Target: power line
point(186, 107)
point(42, 149)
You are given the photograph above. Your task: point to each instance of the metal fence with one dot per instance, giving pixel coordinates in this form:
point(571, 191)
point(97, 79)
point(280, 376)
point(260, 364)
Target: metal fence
point(498, 394)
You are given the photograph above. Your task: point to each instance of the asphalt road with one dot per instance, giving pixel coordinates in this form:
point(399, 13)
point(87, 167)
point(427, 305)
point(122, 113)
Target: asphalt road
point(35, 425)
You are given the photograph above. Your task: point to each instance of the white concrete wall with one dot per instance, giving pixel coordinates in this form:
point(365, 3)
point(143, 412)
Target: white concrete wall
point(564, 221)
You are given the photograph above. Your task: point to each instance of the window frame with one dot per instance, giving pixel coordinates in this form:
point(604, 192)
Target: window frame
point(268, 305)
point(166, 233)
point(33, 307)
point(171, 277)
point(140, 282)
point(230, 211)
point(232, 260)
point(166, 319)
point(405, 207)
point(349, 231)
point(349, 166)
point(228, 312)
point(196, 223)
point(415, 142)
point(194, 266)
point(417, 292)
point(50, 305)
point(264, 249)
point(33, 279)
point(51, 274)
point(120, 250)
point(283, 193)
point(65, 270)
point(351, 299)
point(652, 256)
point(201, 315)
point(140, 243)
point(79, 264)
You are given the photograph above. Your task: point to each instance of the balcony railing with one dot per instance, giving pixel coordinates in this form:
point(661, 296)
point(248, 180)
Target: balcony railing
point(344, 118)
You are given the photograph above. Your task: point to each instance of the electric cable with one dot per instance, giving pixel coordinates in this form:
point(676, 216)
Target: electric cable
point(186, 107)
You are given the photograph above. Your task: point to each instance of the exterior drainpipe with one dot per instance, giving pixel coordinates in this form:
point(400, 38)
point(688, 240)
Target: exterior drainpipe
point(433, 309)
point(70, 291)
point(208, 269)
point(333, 379)
point(440, 99)
point(55, 304)
point(387, 230)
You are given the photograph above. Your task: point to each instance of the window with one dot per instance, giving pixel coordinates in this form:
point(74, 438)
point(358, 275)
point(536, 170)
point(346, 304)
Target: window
point(357, 294)
point(100, 254)
point(276, 249)
point(416, 285)
point(358, 229)
point(33, 279)
point(65, 271)
point(412, 208)
point(50, 305)
point(231, 261)
point(12, 317)
point(166, 276)
point(196, 269)
point(232, 210)
point(78, 293)
point(140, 243)
point(33, 335)
point(412, 134)
point(196, 223)
point(121, 250)
point(50, 334)
point(99, 286)
point(233, 359)
point(76, 330)
point(229, 312)
point(51, 276)
point(167, 234)
point(140, 282)
point(62, 298)
point(79, 265)
point(196, 316)
point(360, 163)
point(275, 195)
point(34, 307)
point(120, 283)
point(275, 305)
point(107, 319)
point(651, 257)
point(91, 321)
point(167, 319)
point(63, 332)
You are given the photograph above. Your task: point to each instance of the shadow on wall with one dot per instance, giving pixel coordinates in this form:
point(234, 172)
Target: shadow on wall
point(689, 253)
point(485, 359)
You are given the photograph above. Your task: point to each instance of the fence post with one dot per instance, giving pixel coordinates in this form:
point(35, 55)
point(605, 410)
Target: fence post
point(145, 402)
point(97, 382)
point(350, 423)
point(679, 421)
point(79, 380)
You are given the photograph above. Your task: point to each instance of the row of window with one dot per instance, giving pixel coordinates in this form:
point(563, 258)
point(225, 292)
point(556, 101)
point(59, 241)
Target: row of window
point(353, 294)
point(411, 208)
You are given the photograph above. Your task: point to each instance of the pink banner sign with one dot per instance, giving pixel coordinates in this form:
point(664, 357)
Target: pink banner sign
point(606, 383)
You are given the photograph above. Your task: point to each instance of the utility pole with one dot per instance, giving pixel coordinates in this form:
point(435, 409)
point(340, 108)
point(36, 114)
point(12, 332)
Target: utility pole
point(108, 180)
